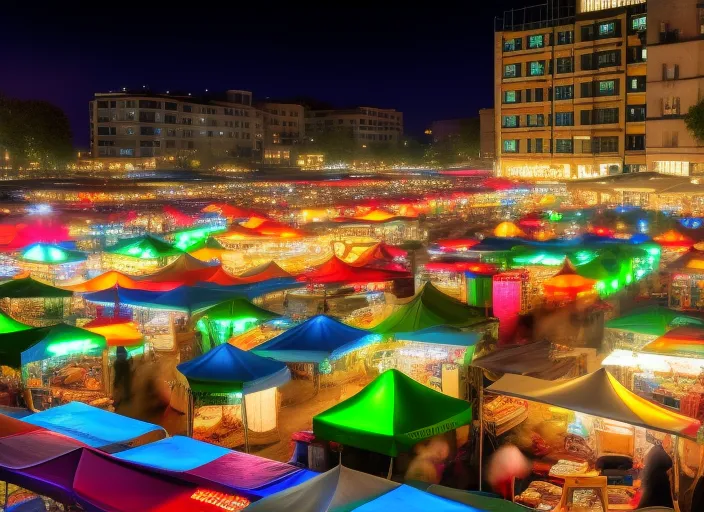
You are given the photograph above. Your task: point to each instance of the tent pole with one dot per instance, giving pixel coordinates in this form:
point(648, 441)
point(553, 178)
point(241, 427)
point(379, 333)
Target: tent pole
point(676, 474)
point(480, 414)
point(244, 422)
point(391, 468)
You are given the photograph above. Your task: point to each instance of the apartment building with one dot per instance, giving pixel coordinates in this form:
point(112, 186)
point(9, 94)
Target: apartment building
point(487, 133)
point(675, 82)
point(283, 129)
point(367, 125)
point(570, 90)
point(138, 128)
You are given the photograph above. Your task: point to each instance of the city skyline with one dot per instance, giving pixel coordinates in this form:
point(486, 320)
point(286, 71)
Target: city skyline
point(413, 61)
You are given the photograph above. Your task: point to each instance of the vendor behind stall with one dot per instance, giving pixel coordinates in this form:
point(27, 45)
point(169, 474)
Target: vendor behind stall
point(655, 480)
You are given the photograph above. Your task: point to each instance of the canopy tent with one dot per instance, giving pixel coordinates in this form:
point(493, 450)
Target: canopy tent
point(314, 340)
point(344, 489)
point(272, 228)
point(455, 244)
point(652, 320)
point(59, 340)
point(567, 284)
point(10, 325)
point(237, 309)
point(477, 500)
point(28, 288)
point(335, 270)
point(118, 332)
point(144, 247)
point(674, 239)
point(264, 272)
point(178, 270)
point(21, 234)
point(192, 237)
point(687, 341)
point(379, 252)
point(534, 359)
point(227, 369)
point(442, 335)
point(208, 464)
point(97, 428)
point(508, 230)
point(691, 261)
point(598, 394)
point(237, 232)
point(391, 414)
point(113, 279)
point(50, 254)
point(429, 307)
point(208, 250)
point(229, 211)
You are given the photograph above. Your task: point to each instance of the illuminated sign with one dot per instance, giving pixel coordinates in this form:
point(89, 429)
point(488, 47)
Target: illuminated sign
point(601, 5)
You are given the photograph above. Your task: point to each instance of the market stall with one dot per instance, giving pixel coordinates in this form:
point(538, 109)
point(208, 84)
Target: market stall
point(51, 263)
point(638, 327)
point(142, 255)
point(568, 286)
point(35, 303)
point(115, 279)
point(390, 415)
point(508, 230)
point(234, 397)
point(591, 426)
point(65, 364)
point(687, 280)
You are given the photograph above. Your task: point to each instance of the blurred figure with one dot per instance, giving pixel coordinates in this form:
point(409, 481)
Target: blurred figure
point(655, 480)
point(122, 381)
point(507, 464)
point(428, 465)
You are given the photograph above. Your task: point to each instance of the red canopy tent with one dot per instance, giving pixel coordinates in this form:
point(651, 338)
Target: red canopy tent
point(337, 271)
point(379, 253)
point(263, 273)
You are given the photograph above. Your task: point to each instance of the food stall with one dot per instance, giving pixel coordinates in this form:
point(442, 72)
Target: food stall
point(138, 256)
point(234, 400)
point(51, 263)
point(586, 427)
point(35, 303)
point(686, 285)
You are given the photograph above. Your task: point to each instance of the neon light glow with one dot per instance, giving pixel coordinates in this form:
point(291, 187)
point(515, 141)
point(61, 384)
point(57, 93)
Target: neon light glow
point(229, 502)
point(63, 348)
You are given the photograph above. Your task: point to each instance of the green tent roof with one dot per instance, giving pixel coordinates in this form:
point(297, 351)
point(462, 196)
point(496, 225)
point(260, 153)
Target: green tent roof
point(50, 254)
point(653, 320)
point(59, 340)
point(145, 247)
point(235, 309)
point(28, 288)
point(391, 414)
point(430, 307)
point(9, 324)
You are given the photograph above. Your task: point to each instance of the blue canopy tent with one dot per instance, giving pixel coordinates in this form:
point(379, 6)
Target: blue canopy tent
point(253, 290)
point(95, 427)
point(207, 465)
point(313, 341)
point(228, 371)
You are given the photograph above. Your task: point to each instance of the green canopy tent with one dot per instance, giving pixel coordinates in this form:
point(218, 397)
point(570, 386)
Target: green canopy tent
point(391, 414)
point(430, 307)
point(235, 316)
point(35, 302)
point(39, 343)
point(652, 321)
point(28, 288)
point(144, 247)
point(10, 325)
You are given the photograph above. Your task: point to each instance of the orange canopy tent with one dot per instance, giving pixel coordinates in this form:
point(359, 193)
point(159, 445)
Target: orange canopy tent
point(380, 252)
point(337, 271)
point(674, 239)
point(118, 332)
point(567, 284)
point(685, 341)
point(277, 229)
point(508, 230)
point(263, 273)
point(187, 270)
point(228, 211)
point(113, 278)
point(237, 232)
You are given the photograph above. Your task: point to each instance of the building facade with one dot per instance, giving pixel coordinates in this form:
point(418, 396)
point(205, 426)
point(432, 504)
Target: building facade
point(487, 133)
point(142, 128)
point(570, 91)
point(367, 125)
point(283, 130)
point(675, 82)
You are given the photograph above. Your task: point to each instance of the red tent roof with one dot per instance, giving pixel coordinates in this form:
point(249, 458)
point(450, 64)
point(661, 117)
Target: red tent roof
point(180, 219)
point(187, 270)
point(461, 266)
point(262, 273)
point(337, 271)
point(456, 244)
point(380, 252)
point(673, 238)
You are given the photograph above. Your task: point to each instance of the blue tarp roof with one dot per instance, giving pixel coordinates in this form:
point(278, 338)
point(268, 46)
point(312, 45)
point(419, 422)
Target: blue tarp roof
point(227, 369)
point(441, 334)
point(92, 426)
point(182, 454)
point(409, 499)
point(312, 341)
point(258, 289)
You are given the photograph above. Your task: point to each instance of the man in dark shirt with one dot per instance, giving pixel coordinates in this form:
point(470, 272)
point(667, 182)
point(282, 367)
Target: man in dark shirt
point(655, 481)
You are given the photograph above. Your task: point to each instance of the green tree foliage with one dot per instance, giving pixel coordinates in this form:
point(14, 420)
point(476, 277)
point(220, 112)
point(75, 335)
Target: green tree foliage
point(694, 119)
point(455, 148)
point(34, 131)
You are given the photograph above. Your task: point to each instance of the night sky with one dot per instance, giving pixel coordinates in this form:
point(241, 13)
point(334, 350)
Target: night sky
point(431, 63)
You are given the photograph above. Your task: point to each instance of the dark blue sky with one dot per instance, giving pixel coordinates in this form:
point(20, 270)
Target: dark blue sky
point(430, 63)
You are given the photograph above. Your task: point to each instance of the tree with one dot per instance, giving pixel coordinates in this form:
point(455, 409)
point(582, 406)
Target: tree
point(694, 119)
point(35, 132)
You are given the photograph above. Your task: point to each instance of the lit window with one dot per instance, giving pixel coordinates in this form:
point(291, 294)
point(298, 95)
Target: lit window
point(607, 29)
point(510, 97)
point(510, 146)
point(639, 23)
point(537, 68)
point(511, 70)
point(536, 41)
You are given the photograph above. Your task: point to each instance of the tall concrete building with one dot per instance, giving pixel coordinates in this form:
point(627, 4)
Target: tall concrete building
point(367, 125)
point(140, 128)
point(675, 82)
point(487, 133)
point(570, 89)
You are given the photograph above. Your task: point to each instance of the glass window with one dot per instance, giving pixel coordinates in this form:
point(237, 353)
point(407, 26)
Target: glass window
point(538, 145)
point(636, 84)
point(639, 23)
point(564, 92)
point(510, 146)
point(563, 145)
point(537, 68)
point(607, 29)
point(539, 95)
point(536, 41)
point(512, 45)
point(511, 71)
point(535, 120)
point(510, 121)
point(509, 97)
point(636, 113)
point(564, 65)
point(607, 88)
point(564, 119)
point(566, 37)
